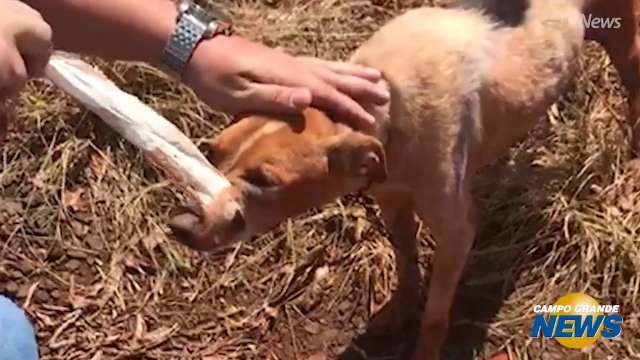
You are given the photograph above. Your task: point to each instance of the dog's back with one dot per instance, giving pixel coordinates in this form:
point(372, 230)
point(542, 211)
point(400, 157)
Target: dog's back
point(434, 74)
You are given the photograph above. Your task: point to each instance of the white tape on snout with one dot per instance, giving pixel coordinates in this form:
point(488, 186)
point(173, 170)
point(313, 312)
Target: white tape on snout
point(146, 129)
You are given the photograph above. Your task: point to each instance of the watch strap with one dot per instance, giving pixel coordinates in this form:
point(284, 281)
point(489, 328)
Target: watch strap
point(193, 25)
point(183, 41)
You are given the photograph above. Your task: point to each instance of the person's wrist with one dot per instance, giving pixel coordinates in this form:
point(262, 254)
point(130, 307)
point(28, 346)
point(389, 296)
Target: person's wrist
point(201, 58)
point(194, 25)
point(161, 35)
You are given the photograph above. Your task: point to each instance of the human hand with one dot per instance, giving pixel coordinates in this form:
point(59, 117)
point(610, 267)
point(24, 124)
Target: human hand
point(25, 46)
point(236, 76)
point(4, 120)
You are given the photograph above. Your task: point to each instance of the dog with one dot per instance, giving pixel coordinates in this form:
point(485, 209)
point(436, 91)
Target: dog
point(463, 90)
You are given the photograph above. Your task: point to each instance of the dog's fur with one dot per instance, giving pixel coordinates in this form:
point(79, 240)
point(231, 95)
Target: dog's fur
point(464, 90)
point(622, 44)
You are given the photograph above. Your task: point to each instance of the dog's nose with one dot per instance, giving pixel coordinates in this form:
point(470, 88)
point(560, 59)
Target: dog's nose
point(183, 229)
point(238, 221)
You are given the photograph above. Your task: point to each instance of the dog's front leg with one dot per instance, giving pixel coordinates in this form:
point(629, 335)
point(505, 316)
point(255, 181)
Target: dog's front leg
point(398, 213)
point(453, 227)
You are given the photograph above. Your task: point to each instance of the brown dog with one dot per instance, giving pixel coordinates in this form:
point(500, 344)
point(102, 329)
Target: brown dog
point(463, 91)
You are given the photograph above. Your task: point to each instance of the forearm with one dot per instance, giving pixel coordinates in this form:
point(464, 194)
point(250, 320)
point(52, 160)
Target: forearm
point(112, 29)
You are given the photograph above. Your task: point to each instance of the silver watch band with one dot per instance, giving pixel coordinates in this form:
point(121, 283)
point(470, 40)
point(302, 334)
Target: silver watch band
point(187, 34)
point(193, 24)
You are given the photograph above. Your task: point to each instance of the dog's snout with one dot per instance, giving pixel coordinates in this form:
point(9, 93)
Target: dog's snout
point(183, 229)
point(238, 222)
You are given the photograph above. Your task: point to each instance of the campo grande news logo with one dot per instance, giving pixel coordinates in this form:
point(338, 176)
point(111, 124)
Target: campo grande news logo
point(576, 321)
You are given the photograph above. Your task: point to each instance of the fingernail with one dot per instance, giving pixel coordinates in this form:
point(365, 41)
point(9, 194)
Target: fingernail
point(384, 93)
point(375, 73)
point(300, 99)
point(370, 119)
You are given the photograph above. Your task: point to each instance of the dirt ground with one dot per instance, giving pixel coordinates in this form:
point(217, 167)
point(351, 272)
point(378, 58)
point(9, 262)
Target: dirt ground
point(83, 244)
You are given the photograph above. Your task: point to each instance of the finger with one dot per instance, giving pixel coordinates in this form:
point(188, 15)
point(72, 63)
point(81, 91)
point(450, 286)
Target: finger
point(13, 75)
point(343, 107)
point(34, 38)
point(346, 68)
point(358, 88)
point(36, 64)
point(277, 99)
point(4, 120)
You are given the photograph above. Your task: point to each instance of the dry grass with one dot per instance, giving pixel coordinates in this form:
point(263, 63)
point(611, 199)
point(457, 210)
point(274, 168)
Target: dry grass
point(83, 244)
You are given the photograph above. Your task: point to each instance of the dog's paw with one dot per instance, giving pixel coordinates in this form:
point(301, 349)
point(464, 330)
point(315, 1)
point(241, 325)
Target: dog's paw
point(395, 318)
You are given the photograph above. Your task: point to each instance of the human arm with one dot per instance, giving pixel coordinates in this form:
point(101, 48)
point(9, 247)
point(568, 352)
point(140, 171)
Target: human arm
point(25, 46)
point(229, 73)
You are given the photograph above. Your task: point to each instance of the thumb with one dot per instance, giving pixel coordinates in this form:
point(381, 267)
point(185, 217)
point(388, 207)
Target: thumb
point(278, 99)
point(6, 113)
point(4, 124)
point(36, 64)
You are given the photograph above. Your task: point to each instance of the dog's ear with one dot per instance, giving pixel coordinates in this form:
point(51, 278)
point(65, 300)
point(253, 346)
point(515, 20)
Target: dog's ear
point(359, 155)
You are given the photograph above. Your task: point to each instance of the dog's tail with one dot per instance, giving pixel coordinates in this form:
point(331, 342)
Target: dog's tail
point(510, 12)
point(539, 56)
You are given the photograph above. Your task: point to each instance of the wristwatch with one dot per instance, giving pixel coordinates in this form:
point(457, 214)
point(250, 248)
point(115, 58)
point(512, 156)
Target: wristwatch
point(193, 24)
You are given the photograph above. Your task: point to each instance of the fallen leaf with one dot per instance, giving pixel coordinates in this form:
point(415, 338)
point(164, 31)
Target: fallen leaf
point(312, 328)
point(321, 273)
point(97, 356)
point(41, 296)
point(38, 181)
point(73, 265)
point(79, 228)
point(271, 312)
point(94, 242)
point(23, 291)
point(319, 356)
point(73, 200)
point(11, 207)
point(626, 203)
point(140, 327)
point(78, 302)
point(151, 242)
point(160, 335)
point(99, 165)
point(11, 287)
